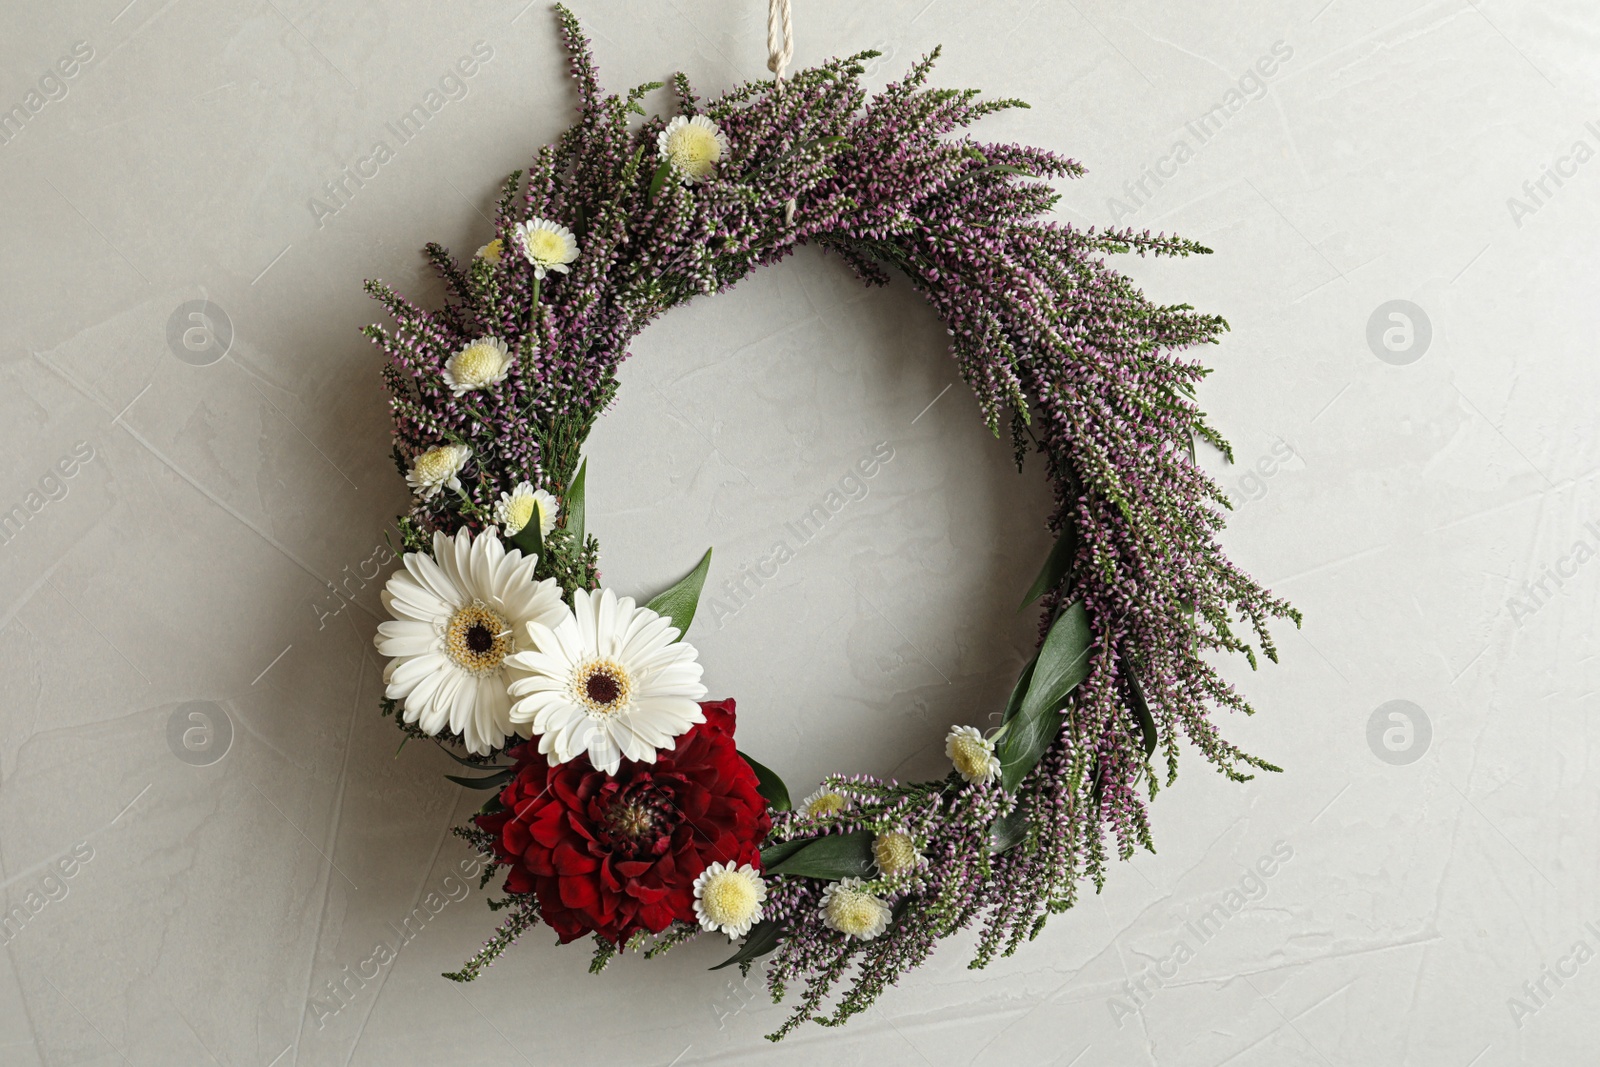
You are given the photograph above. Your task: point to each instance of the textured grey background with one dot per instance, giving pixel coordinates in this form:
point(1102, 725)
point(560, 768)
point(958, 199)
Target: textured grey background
point(174, 590)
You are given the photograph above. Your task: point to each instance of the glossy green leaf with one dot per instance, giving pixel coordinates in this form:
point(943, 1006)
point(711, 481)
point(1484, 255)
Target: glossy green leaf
point(1008, 831)
point(1141, 708)
point(1020, 690)
point(575, 507)
point(1062, 665)
point(832, 857)
point(531, 537)
point(762, 939)
point(493, 781)
point(769, 785)
point(679, 602)
point(773, 855)
point(1055, 566)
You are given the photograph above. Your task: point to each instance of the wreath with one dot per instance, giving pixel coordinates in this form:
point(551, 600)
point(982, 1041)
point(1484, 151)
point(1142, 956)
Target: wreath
point(619, 806)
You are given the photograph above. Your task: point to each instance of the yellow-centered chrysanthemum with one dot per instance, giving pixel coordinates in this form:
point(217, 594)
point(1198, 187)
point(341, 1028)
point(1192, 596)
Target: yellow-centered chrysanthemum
point(850, 909)
point(517, 508)
point(824, 802)
point(895, 853)
point(972, 754)
point(479, 364)
point(490, 253)
point(549, 246)
point(694, 147)
point(436, 469)
point(729, 898)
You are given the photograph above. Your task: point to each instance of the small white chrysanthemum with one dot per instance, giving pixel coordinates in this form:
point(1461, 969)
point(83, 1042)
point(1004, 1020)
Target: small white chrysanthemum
point(972, 754)
point(729, 898)
point(518, 507)
point(824, 802)
point(490, 253)
point(548, 245)
point(479, 364)
point(895, 853)
point(849, 909)
point(693, 146)
point(436, 469)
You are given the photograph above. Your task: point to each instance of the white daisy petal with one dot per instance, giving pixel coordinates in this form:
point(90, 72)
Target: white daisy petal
point(606, 680)
point(457, 620)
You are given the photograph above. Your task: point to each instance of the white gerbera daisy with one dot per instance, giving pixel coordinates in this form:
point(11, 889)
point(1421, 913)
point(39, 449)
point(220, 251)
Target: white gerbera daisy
point(850, 909)
point(972, 754)
point(490, 253)
point(824, 802)
point(436, 469)
point(548, 245)
point(518, 507)
point(729, 898)
point(610, 679)
point(693, 146)
point(479, 364)
point(456, 617)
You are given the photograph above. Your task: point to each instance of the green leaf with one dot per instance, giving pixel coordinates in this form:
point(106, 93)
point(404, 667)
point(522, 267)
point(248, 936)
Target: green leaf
point(491, 782)
point(1020, 690)
point(679, 602)
point(1062, 665)
point(773, 855)
point(762, 939)
point(531, 537)
point(1008, 831)
point(769, 785)
point(832, 857)
point(663, 172)
point(1055, 566)
point(575, 507)
point(1141, 708)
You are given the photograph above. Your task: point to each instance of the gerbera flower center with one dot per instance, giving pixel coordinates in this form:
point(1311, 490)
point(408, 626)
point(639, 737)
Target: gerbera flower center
point(602, 686)
point(693, 148)
point(477, 638)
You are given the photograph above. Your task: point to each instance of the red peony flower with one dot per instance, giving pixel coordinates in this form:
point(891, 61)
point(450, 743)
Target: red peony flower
point(615, 854)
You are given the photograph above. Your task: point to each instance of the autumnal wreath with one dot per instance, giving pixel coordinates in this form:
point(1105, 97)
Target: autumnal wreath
point(620, 807)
